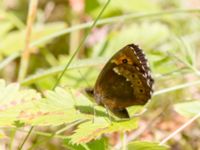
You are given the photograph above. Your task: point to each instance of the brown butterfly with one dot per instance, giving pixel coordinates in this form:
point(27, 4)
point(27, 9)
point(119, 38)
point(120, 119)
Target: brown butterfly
point(124, 81)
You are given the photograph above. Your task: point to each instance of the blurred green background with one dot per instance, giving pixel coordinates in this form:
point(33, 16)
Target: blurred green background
point(167, 31)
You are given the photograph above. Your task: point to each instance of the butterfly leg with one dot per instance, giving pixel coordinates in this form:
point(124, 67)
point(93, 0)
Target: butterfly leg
point(94, 112)
point(108, 113)
point(140, 113)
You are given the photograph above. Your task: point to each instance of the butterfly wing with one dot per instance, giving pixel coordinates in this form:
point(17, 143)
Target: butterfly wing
point(124, 81)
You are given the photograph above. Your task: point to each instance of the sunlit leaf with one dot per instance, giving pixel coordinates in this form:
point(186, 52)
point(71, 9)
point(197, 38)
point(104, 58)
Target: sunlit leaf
point(140, 145)
point(188, 109)
point(90, 130)
point(11, 102)
point(98, 144)
point(101, 125)
point(26, 107)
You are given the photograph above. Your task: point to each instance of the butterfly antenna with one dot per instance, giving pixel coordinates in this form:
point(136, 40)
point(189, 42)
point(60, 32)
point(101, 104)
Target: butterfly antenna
point(90, 92)
point(108, 113)
point(82, 76)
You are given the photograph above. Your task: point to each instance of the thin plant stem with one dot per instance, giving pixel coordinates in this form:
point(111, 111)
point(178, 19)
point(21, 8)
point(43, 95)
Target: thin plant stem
point(9, 59)
point(180, 129)
point(27, 49)
point(24, 141)
point(134, 16)
point(178, 87)
point(81, 43)
point(58, 69)
point(56, 133)
point(12, 136)
point(123, 140)
point(107, 21)
point(185, 63)
point(69, 62)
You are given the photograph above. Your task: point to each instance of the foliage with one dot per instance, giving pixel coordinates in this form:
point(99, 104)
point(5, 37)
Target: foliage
point(26, 107)
point(167, 31)
point(146, 145)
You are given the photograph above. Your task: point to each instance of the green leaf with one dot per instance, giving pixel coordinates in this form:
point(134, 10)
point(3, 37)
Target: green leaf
point(92, 130)
point(19, 107)
point(26, 107)
point(188, 109)
point(69, 145)
point(123, 125)
point(91, 6)
point(58, 107)
point(99, 144)
point(11, 102)
point(84, 63)
point(140, 145)
point(18, 123)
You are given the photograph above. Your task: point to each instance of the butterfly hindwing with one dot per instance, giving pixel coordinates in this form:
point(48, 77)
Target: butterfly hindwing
point(124, 81)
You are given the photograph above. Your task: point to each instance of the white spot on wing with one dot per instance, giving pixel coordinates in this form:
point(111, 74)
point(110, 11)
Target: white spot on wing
point(143, 67)
point(144, 75)
point(116, 71)
point(137, 68)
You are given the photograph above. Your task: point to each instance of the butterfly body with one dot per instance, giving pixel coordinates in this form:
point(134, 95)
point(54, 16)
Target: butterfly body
point(124, 81)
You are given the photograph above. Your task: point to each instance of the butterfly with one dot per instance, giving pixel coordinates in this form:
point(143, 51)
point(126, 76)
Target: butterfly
point(124, 81)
